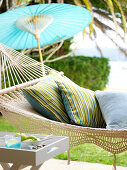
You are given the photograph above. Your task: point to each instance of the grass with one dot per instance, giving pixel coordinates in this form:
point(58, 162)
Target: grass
point(5, 126)
point(94, 154)
point(85, 152)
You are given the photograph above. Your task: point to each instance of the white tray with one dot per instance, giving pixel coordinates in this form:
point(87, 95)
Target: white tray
point(53, 147)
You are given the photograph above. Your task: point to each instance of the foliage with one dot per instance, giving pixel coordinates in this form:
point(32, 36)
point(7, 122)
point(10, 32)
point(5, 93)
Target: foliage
point(88, 72)
point(64, 49)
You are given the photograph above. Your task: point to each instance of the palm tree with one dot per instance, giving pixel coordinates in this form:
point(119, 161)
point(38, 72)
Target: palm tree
point(109, 10)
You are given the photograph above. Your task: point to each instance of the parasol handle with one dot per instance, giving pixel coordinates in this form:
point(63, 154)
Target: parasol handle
point(0, 73)
point(37, 36)
point(40, 54)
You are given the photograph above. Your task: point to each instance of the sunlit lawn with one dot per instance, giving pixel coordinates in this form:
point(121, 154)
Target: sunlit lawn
point(5, 126)
point(86, 152)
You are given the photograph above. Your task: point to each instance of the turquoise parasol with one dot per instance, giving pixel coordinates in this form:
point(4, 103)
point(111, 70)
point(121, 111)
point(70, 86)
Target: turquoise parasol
point(42, 24)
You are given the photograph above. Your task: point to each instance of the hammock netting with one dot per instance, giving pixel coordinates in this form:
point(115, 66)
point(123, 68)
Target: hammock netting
point(16, 68)
point(18, 71)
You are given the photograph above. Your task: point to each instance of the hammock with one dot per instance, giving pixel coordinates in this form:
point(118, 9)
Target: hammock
point(18, 71)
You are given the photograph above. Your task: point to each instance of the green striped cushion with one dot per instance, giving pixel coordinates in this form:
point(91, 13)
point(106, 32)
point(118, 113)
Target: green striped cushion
point(46, 99)
point(81, 105)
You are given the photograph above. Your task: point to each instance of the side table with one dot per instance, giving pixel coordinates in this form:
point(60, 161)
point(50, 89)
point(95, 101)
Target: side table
point(24, 157)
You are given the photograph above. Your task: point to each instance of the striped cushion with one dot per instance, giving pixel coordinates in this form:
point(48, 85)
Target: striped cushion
point(46, 99)
point(81, 105)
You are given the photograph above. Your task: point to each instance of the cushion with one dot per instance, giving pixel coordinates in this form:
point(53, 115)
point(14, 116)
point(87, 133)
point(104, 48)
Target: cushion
point(46, 99)
point(113, 105)
point(81, 105)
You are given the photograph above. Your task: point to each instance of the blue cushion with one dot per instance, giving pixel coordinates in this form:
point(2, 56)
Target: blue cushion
point(46, 99)
point(113, 105)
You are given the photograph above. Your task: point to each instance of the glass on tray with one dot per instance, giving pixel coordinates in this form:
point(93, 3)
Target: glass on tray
point(2, 142)
point(12, 141)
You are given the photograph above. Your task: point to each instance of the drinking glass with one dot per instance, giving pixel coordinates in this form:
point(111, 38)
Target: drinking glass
point(12, 141)
point(2, 142)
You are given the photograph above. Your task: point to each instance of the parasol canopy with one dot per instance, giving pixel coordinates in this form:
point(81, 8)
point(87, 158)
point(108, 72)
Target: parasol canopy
point(40, 25)
point(46, 22)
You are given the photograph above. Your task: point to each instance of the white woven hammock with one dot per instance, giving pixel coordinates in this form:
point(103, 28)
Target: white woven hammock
point(18, 71)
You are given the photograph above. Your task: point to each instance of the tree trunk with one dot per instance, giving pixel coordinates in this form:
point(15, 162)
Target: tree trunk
point(3, 7)
point(10, 3)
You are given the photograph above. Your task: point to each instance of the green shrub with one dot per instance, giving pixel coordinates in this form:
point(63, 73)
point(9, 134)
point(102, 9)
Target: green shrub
point(88, 72)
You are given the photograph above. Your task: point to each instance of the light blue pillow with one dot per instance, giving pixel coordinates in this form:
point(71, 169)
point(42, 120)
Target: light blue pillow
point(113, 105)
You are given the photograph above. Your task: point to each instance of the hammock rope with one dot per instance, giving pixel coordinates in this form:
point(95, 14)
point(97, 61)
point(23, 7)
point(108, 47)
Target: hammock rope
point(18, 71)
point(16, 68)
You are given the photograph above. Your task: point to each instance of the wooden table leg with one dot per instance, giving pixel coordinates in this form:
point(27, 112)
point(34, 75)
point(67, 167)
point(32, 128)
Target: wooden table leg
point(36, 167)
point(16, 167)
point(5, 166)
point(68, 157)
